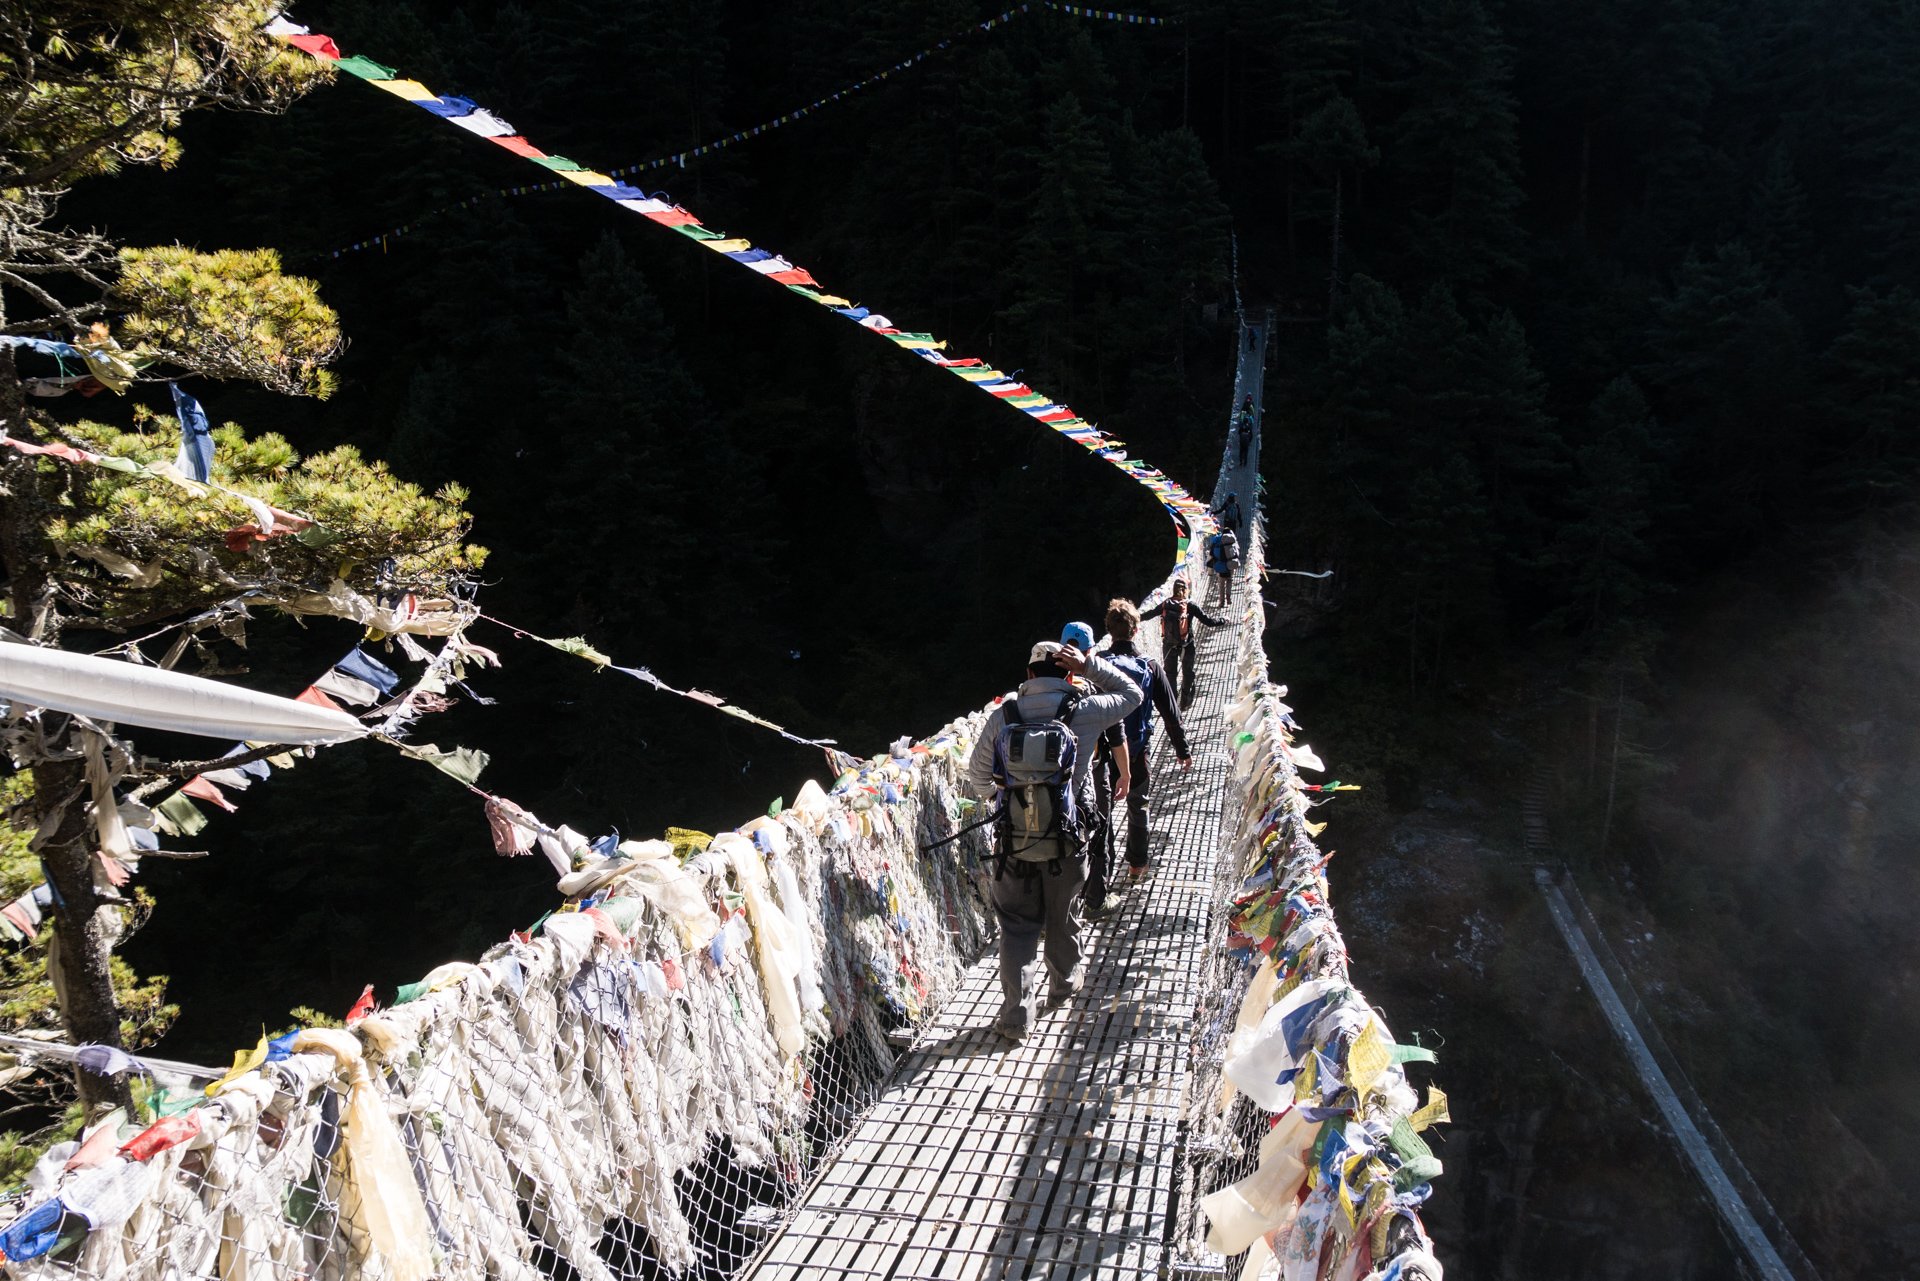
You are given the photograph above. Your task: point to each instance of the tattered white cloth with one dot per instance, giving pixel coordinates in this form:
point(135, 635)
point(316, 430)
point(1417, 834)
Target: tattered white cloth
point(109, 690)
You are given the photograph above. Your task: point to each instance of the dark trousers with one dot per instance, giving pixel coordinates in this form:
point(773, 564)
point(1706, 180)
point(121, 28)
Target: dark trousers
point(1178, 660)
point(1100, 840)
point(1137, 802)
point(1026, 904)
point(1246, 443)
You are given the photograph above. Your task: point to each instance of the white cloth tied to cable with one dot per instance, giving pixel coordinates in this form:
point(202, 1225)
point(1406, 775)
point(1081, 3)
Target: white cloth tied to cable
point(381, 1197)
point(109, 690)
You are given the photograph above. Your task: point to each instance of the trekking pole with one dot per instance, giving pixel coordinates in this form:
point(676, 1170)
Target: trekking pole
point(962, 832)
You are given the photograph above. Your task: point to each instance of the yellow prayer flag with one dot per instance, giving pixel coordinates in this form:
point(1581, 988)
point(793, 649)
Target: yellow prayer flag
point(1367, 1059)
point(244, 1061)
point(1303, 1087)
point(1436, 1110)
point(1376, 1200)
point(411, 90)
point(585, 177)
point(830, 300)
point(728, 246)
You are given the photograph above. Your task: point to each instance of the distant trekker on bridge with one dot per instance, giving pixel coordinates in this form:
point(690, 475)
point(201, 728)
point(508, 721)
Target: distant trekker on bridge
point(1036, 753)
point(1230, 512)
point(1223, 552)
point(1180, 621)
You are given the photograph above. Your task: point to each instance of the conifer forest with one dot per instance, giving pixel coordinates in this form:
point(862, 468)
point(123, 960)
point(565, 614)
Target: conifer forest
point(1594, 380)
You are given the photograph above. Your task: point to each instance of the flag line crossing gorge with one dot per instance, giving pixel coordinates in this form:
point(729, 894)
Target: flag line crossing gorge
point(1189, 514)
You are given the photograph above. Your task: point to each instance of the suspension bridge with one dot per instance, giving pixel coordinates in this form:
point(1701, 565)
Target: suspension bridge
point(773, 1056)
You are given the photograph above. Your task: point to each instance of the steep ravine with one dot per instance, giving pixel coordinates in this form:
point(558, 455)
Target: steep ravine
point(1758, 886)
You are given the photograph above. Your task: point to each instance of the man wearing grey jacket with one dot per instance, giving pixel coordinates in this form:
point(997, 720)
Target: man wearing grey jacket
point(1028, 896)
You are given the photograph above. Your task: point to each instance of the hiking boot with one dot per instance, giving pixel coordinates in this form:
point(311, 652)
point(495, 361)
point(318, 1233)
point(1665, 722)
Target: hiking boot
point(1059, 989)
point(1014, 1028)
point(1106, 907)
point(1137, 875)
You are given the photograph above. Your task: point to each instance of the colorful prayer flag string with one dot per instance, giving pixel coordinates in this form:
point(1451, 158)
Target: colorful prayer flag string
point(313, 45)
point(1189, 514)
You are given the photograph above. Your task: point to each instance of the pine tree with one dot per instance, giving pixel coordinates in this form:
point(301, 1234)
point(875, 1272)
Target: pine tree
point(92, 87)
point(1453, 151)
point(1332, 142)
point(1877, 363)
point(1602, 553)
point(1065, 255)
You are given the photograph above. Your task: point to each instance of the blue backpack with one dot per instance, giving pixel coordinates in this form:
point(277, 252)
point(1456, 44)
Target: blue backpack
point(1139, 721)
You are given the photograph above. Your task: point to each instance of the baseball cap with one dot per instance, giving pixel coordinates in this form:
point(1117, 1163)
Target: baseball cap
point(1044, 652)
point(1078, 635)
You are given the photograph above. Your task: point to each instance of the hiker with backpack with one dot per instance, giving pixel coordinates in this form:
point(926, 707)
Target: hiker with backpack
point(1123, 625)
point(1180, 620)
point(1036, 753)
point(1112, 779)
point(1223, 550)
point(1230, 512)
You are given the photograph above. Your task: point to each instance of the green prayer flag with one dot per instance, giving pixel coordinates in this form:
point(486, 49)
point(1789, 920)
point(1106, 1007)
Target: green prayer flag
point(560, 163)
point(1414, 1054)
point(316, 536)
point(463, 763)
point(365, 68)
point(174, 1102)
point(1406, 1144)
point(577, 646)
point(1417, 1171)
point(623, 912)
point(182, 813)
point(698, 233)
point(411, 992)
point(779, 803)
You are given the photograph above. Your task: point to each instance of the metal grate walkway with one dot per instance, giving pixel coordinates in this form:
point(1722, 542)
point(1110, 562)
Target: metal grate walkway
point(1056, 1157)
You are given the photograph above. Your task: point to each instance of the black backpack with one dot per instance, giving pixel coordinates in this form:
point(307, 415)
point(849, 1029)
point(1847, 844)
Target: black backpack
point(1033, 767)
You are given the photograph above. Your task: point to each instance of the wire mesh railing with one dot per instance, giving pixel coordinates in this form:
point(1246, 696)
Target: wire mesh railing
point(1304, 1157)
point(642, 1088)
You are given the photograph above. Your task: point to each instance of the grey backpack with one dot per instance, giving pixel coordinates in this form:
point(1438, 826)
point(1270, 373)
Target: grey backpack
point(1033, 766)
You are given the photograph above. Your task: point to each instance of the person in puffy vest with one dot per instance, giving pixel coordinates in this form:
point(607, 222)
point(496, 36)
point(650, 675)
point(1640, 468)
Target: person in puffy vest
point(1180, 621)
point(1123, 624)
point(1037, 880)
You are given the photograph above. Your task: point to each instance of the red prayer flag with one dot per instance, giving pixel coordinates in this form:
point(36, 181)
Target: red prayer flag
point(318, 45)
point(798, 276)
point(603, 926)
point(161, 1135)
point(318, 699)
point(519, 146)
point(676, 217)
point(95, 1150)
point(199, 787)
point(362, 1007)
point(671, 968)
point(18, 915)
